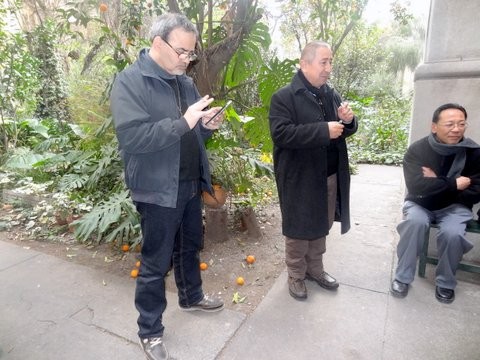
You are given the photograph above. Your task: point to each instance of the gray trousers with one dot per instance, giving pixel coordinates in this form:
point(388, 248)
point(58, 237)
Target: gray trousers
point(306, 256)
point(451, 241)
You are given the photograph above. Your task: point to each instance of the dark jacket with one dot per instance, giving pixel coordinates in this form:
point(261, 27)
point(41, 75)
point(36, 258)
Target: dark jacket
point(149, 125)
point(440, 192)
point(300, 135)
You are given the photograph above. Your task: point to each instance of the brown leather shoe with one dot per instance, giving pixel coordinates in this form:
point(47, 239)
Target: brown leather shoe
point(324, 280)
point(297, 288)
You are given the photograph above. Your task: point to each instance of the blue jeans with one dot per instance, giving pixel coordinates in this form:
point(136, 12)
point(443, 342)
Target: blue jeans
point(169, 234)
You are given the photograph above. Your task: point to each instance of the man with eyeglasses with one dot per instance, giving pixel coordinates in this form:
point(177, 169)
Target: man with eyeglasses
point(161, 122)
point(442, 176)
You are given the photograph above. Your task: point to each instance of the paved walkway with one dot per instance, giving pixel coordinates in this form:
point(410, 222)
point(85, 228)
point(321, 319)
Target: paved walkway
point(53, 309)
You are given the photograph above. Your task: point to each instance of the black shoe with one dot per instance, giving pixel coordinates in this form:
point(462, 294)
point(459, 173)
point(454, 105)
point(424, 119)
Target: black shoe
point(154, 348)
point(324, 280)
point(444, 295)
point(209, 303)
point(399, 289)
point(297, 288)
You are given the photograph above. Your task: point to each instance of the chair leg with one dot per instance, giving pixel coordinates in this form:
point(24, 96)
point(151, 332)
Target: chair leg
point(422, 261)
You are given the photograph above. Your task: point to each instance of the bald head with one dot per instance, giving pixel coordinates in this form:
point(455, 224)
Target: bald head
point(310, 50)
point(316, 62)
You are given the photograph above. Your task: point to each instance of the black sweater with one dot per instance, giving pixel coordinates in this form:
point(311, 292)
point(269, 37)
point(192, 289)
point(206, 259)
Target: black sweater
point(440, 192)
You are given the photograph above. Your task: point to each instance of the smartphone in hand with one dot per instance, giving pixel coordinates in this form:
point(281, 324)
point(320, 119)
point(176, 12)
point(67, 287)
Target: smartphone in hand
point(219, 111)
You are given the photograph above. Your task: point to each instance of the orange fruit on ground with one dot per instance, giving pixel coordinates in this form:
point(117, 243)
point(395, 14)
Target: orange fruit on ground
point(134, 273)
point(203, 266)
point(240, 280)
point(250, 259)
point(125, 247)
point(137, 264)
point(103, 7)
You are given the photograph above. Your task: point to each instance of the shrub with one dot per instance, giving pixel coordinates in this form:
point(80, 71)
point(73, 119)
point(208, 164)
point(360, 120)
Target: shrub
point(382, 136)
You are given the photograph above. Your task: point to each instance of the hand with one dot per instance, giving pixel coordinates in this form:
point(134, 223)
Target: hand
point(345, 113)
point(427, 172)
point(335, 129)
point(463, 182)
point(195, 111)
point(215, 123)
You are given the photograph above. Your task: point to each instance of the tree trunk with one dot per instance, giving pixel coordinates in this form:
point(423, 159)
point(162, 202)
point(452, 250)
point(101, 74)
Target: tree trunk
point(216, 224)
point(249, 223)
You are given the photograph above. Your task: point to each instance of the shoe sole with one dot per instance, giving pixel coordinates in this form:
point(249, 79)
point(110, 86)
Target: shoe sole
point(398, 295)
point(444, 301)
point(327, 287)
point(190, 309)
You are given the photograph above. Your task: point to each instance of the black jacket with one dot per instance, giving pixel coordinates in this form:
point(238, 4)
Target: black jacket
point(440, 192)
point(300, 135)
point(149, 125)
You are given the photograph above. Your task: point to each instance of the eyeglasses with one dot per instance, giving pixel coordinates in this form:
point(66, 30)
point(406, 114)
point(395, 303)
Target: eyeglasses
point(450, 126)
point(182, 53)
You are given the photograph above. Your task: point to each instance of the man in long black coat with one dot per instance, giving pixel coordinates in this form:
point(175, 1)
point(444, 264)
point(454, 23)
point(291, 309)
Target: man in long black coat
point(309, 124)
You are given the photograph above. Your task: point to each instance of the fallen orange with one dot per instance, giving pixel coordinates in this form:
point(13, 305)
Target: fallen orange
point(250, 259)
point(203, 266)
point(240, 280)
point(137, 264)
point(125, 247)
point(134, 273)
point(103, 7)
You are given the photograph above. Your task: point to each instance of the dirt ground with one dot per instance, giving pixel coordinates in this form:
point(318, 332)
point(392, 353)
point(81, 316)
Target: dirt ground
point(226, 260)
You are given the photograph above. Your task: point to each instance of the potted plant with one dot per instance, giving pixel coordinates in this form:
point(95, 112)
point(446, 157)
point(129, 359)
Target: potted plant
point(218, 199)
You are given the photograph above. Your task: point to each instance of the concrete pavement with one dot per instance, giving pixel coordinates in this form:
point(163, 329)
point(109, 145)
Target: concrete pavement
point(54, 309)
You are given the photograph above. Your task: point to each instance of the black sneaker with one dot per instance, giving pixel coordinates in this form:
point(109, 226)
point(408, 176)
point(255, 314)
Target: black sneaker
point(209, 303)
point(399, 289)
point(154, 348)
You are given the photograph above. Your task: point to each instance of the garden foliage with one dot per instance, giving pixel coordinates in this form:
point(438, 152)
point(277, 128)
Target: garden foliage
point(56, 133)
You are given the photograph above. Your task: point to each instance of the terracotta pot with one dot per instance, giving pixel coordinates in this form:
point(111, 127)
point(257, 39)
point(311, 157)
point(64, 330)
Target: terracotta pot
point(218, 200)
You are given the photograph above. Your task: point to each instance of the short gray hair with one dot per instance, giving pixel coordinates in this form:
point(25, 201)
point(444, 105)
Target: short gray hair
point(166, 23)
point(308, 52)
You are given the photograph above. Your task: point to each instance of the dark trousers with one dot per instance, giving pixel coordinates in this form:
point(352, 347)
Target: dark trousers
point(169, 234)
point(306, 256)
point(451, 241)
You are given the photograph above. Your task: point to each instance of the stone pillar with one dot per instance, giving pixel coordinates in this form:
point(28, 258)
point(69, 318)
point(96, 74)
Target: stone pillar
point(450, 72)
point(451, 68)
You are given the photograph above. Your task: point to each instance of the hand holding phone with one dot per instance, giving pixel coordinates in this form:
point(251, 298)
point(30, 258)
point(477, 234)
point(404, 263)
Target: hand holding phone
point(219, 111)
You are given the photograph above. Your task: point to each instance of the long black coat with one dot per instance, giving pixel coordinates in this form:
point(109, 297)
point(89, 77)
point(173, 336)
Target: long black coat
point(300, 135)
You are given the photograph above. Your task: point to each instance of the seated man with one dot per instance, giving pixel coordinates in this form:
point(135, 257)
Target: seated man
point(442, 176)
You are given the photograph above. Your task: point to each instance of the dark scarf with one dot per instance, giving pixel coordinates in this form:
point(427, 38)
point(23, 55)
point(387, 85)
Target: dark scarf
point(459, 150)
point(324, 96)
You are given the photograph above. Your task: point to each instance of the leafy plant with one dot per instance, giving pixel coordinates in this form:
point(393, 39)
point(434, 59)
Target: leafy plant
point(18, 81)
point(238, 169)
point(113, 220)
point(52, 98)
point(382, 137)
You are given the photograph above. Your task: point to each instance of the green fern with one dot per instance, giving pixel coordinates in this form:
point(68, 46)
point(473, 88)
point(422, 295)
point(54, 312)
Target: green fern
point(105, 216)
